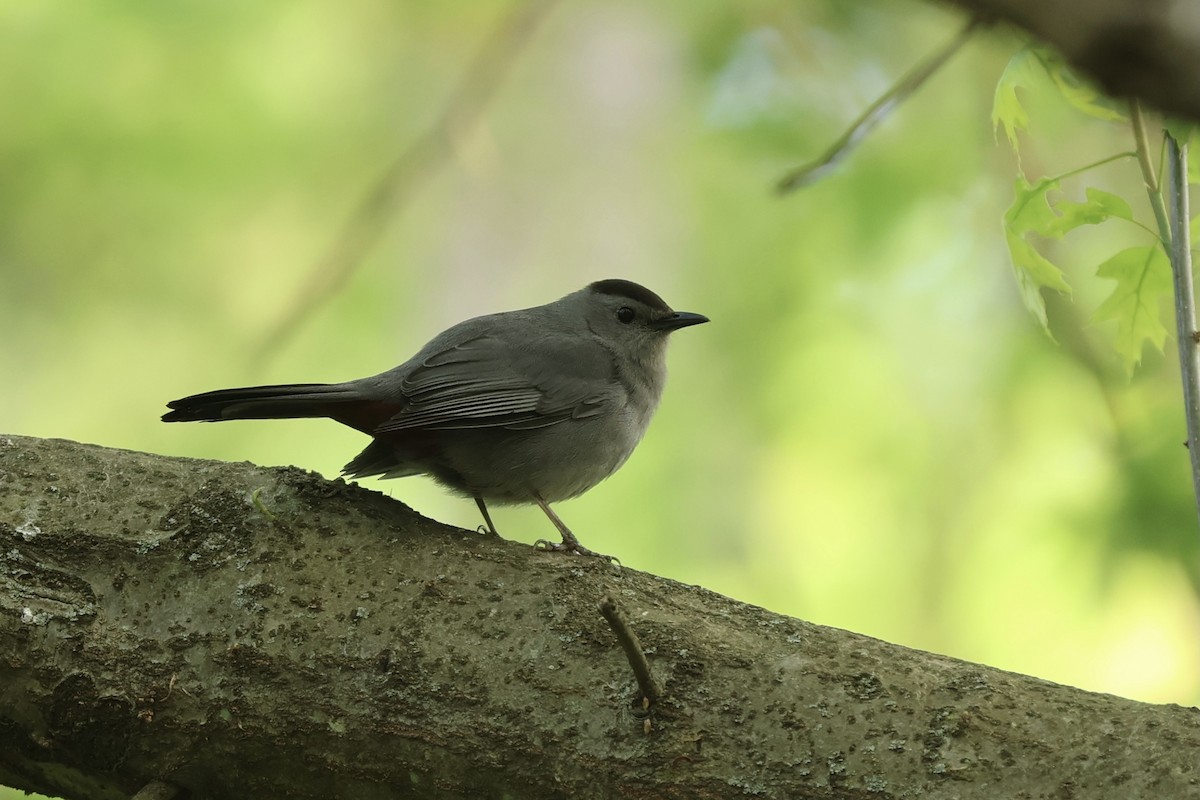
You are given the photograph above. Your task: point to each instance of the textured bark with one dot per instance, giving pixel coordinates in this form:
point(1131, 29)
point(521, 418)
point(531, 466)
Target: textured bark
point(1148, 49)
point(265, 633)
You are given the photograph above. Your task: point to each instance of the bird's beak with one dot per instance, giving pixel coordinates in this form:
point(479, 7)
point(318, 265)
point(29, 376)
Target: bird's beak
point(677, 320)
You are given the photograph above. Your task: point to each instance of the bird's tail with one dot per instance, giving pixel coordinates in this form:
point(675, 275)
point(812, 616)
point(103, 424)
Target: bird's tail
point(288, 401)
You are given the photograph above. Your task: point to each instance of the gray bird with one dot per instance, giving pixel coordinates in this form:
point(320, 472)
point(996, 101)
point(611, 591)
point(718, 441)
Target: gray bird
point(529, 406)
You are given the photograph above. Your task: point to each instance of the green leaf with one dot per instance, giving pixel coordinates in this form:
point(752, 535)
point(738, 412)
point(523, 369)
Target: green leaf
point(1193, 142)
point(1099, 206)
point(1181, 130)
point(1031, 213)
point(1081, 95)
point(1023, 71)
point(1036, 69)
point(1143, 276)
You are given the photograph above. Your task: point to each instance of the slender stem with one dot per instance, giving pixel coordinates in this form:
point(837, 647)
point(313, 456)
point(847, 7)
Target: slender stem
point(1073, 172)
point(1185, 299)
point(1149, 175)
point(421, 161)
point(875, 113)
point(1117, 157)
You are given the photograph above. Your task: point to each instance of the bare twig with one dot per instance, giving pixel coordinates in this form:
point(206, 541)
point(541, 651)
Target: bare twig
point(875, 113)
point(633, 650)
point(1149, 176)
point(423, 159)
point(1185, 298)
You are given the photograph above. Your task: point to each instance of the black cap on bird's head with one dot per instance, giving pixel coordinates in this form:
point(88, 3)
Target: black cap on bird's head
point(661, 315)
point(629, 290)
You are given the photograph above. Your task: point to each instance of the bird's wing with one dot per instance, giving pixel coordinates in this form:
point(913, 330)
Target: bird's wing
point(487, 382)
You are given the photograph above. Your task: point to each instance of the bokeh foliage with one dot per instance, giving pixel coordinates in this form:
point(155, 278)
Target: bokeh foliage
point(872, 434)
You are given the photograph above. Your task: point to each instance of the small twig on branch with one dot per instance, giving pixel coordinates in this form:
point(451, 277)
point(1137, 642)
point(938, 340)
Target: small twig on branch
point(633, 650)
point(423, 159)
point(876, 112)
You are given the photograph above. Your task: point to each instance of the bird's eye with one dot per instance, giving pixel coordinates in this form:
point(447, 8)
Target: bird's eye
point(625, 315)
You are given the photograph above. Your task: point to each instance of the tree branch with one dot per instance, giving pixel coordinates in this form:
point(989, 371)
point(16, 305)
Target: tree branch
point(1146, 49)
point(1180, 253)
point(874, 114)
point(259, 633)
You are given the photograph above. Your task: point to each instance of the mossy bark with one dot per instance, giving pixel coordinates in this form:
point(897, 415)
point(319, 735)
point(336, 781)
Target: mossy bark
point(264, 633)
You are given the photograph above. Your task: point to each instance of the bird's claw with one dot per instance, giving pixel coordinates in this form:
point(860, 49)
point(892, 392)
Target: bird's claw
point(574, 548)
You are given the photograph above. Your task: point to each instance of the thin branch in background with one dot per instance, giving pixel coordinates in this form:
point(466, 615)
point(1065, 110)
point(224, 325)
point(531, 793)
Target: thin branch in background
point(422, 160)
point(1185, 298)
point(875, 113)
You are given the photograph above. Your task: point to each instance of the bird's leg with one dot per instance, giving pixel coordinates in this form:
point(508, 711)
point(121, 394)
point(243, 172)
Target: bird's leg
point(569, 543)
point(486, 516)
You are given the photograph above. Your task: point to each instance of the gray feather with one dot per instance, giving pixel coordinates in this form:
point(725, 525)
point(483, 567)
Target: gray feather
point(496, 380)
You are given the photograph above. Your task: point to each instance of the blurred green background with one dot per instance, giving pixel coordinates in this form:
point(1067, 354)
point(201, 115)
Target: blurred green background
point(872, 433)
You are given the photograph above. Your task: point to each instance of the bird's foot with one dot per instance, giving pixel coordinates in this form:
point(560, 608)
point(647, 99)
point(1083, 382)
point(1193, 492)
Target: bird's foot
point(486, 531)
point(572, 547)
